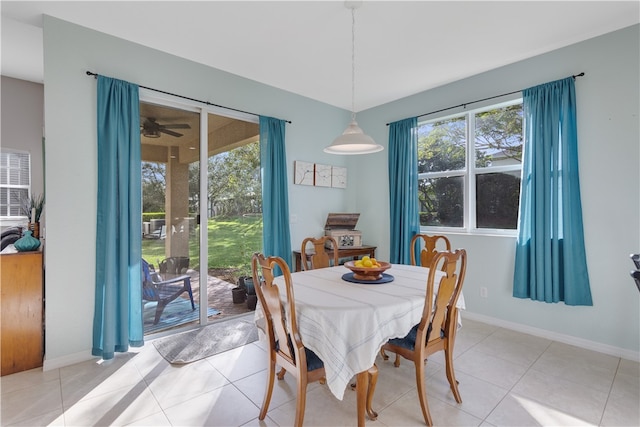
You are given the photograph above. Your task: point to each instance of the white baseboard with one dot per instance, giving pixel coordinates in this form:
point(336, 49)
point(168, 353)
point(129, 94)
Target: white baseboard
point(83, 356)
point(566, 339)
point(69, 359)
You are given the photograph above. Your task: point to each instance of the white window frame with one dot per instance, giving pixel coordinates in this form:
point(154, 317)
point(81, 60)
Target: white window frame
point(469, 174)
point(11, 219)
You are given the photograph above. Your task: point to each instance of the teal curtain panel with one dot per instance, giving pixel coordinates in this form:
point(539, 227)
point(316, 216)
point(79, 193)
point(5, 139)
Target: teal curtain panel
point(550, 261)
point(276, 236)
point(403, 188)
point(117, 321)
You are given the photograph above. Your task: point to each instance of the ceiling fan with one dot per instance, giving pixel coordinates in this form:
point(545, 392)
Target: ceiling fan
point(152, 129)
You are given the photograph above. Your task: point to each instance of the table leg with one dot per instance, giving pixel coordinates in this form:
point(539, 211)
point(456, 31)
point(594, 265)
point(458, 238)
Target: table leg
point(362, 385)
point(298, 258)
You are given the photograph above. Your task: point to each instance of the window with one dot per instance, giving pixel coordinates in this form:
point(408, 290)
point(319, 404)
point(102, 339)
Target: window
point(15, 182)
point(469, 168)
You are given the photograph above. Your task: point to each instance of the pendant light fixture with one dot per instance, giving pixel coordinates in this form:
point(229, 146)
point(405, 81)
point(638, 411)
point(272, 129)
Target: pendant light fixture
point(353, 140)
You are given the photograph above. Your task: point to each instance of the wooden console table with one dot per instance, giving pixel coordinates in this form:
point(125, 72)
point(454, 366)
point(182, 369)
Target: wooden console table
point(342, 253)
point(22, 326)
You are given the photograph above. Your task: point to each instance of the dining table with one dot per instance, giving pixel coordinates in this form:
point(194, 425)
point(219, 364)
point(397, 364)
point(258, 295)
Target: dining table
point(346, 323)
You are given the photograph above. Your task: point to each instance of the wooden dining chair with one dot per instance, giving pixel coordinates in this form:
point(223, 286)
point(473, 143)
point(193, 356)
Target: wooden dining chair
point(319, 258)
point(438, 325)
point(429, 248)
point(285, 344)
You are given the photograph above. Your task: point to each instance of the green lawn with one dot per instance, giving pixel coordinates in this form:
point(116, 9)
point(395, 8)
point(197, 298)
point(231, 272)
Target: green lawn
point(232, 242)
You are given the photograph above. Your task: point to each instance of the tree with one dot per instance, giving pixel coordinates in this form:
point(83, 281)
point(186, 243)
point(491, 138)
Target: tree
point(234, 183)
point(497, 201)
point(153, 186)
point(500, 131)
point(442, 147)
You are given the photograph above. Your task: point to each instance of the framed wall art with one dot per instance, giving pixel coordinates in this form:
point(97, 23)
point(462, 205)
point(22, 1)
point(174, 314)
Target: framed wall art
point(338, 177)
point(303, 173)
point(323, 175)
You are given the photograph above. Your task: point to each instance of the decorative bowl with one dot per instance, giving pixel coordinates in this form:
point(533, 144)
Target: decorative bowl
point(367, 273)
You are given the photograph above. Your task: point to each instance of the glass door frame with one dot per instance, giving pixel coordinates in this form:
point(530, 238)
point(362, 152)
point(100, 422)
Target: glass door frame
point(150, 96)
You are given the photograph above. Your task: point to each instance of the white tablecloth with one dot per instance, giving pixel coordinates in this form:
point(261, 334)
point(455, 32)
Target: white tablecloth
point(346, 324)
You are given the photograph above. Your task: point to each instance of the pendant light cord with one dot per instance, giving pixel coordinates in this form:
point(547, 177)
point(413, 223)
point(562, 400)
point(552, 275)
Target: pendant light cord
point(353, 63)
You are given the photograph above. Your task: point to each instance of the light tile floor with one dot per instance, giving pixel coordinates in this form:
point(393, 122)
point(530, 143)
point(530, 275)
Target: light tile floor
point(506, 379)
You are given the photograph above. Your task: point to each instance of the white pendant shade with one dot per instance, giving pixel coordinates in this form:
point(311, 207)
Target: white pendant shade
point(353, 141)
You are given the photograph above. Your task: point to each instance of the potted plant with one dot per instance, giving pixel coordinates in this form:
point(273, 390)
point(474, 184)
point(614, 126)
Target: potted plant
point(32, 208)
point(239, 293)
point(252, 297)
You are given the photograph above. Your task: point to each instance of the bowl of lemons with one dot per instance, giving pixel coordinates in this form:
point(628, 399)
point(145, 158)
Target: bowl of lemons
point(367, 268)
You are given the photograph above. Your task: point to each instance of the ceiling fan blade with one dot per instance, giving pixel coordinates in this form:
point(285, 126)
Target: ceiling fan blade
point(170, 132)
point(176, 126)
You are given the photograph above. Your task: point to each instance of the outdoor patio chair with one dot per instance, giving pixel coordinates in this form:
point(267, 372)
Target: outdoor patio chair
point(154, 288)
point(174, 265)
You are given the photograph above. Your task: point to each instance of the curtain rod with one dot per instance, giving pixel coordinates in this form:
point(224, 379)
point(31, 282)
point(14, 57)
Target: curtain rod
point(95, 75)
point(480, 100)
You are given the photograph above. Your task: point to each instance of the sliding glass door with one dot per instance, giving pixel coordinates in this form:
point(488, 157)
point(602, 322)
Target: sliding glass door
point(200, 225)
point(170, 139)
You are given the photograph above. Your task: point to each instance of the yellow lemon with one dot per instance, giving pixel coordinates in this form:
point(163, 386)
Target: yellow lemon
point(366, 257)
point(358, 263)
point(367, 263)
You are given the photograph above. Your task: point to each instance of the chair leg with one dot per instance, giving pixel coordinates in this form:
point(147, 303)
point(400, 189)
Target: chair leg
point(383, 354)
point(422, 392)
point(281, 373)
point(373, 379)
point(451, 376)
point(301, 402)
point(159, 309)
point(187, 284)
point(397, 361)
point(267, 394)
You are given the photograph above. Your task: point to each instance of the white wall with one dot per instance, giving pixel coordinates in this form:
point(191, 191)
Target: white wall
point(609, 153)
point(22, 129)
point(608, 105)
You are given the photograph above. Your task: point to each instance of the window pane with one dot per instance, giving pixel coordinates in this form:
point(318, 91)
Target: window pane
point(498, 137)
point(4, 201)
point(442, 145)
point(441, 201)
point(497, 196)
point(14, 182)
point(11, 200)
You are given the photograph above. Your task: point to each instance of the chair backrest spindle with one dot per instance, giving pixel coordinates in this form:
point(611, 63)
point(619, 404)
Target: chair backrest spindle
point(282, 327)
point(429, 248)
point(320, 258)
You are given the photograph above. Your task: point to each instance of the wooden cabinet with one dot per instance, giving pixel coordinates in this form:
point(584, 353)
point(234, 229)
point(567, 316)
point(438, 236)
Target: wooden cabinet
point(21, 330)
